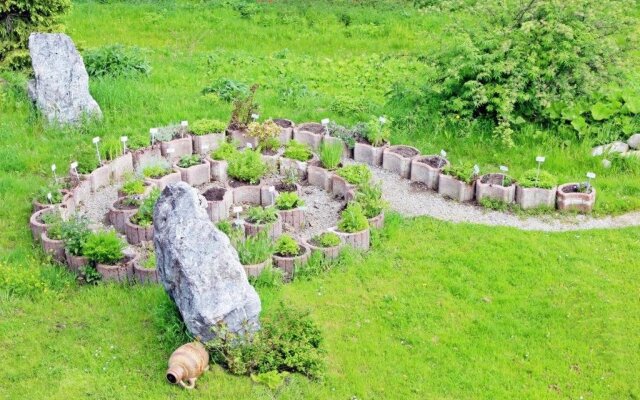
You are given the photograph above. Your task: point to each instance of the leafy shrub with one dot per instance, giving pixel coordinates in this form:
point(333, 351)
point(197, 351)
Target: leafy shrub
point(288, 201)
point(331, 155)
point(355, 174)
point(144, 215)
point(269, 278)
point(326, 239)
point(207, 126)
point(286, 246)
point(190, 160)
point(225, 151)
point(369, 196)
point(270, 144)
point(133, 186)
point(225, 226)
point(227, 90)
point(526, 59)
point(376, 132)
point(115, 61)
point(543, 180)
point(247, 166)
point(54, 225)
point(87, 162)
point(348, 136)
point(243, 108)
point(156, 169)
point(104, 247)
point(297, 151)
point(262, 215)
point(18, 18)
point(74, 232)
point(462, 172)
point(353, 219)
point(287, 341)
point(169, 132)
point(254, 249)
point(16, 60)
point(149, 261)
point(263, 131)
point(41, 195)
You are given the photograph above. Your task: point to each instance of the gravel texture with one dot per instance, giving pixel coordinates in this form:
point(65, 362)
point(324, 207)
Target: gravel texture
point(321, 211)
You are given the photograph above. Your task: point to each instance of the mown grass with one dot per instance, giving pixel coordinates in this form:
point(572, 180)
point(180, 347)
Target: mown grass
point(559, 313)
point(479, 313)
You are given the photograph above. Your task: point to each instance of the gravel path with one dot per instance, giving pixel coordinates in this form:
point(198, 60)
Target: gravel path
point(410, 200)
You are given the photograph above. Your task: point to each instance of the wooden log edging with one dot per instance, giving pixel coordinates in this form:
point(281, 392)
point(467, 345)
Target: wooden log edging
point(288, 264)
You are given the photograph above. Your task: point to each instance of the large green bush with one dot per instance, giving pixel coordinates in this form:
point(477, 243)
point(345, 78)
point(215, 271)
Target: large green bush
point(527, 58)
point(18, 18)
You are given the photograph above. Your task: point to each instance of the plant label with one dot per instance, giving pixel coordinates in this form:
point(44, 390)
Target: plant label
point(49, 197)
point(255, 116)
point(325, 121)
point(591, 175)
point(443, 153)
point(249, 146)
point(237, 209)
point(184, 124)
point(171, 150)
point(74, 165)
point(96, 140)
point(504, 168)
point(153, 132)
point(476, 169)
point(272, 189)
point(540, 159)
point(53, 167)
point(205, 147)
point(124, 139)
point(382, 120)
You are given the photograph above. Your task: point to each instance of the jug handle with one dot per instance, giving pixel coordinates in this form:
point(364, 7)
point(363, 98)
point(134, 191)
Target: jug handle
point(191, 384)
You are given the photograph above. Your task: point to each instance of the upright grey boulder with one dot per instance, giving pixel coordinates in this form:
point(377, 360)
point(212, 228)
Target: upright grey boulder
point(198, 266)
point(61, 85)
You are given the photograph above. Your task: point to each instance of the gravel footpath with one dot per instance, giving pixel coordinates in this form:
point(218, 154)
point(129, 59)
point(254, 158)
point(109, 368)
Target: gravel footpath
point(410, 200)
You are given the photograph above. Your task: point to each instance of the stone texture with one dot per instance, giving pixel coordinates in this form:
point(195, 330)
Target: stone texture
point(368, 154)
point(422, 172)
point(529, 198)
point(568, 200)
point(61, 85)
point(495, 191)
point(615, 147)
point(394, 162)
point(199, 268)
point(634, 141)
point(450, 187)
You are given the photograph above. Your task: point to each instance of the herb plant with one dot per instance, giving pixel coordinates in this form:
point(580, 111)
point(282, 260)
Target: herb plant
point(54, 225)
point(133, 186)
point(144, 215)
point(74, 232)
point(297, 151)
point(326, 239)
point(263, 131)
point(56, 194)
point(462, 172)
point(206, 126)
point(225, 151)
point(254, 249)
point(104, 247)
point(247, 166)
point(190, 160)
point(243, 108)
point(156, 169)
point(355, 174)
point(331, 155)
point(542, 180)
point(369, 196)
point(377, 133)
point(262, 215)
point(288, 201)
point(353, 219)
point(286, 246)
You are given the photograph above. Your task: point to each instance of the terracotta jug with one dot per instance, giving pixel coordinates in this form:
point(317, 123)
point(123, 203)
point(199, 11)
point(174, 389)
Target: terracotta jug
point(187, 363)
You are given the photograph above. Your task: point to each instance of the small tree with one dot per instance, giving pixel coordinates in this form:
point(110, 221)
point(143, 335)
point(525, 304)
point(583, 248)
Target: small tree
point(19, 18)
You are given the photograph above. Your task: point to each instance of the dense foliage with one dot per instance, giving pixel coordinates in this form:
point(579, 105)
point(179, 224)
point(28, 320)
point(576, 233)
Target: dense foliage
point(369, 196)
point(537, 178)
point(114, 61)
point(247, 166)
point(262, 215)
point(297, 151)
point(288, 201)
point(355, 174)
point(287, 246)
point(190, 160)
point(252, 249)
point(207, 126)
point(331, 155)
point(144, 215)
point(74, 232)
point(104, 247)
point(326, 239)
point(353, 219)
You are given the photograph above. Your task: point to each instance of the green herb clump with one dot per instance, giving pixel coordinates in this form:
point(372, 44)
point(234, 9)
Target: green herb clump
point(377, 133)
point(270, 144)
point(104, 247)
point(331, 155)
point(462, 172)
point(543, 180)
point(75, 232)
point(144, 215)
point(327, 239)
point(247, 166)
point(355, 174)
point(87, 162)
point(54, 221)
point(149, 261)
point(225, 151)
point(156, 169)
point(254, 249)
point(286, 246)
point(133, 186)
point(41, 195)
point(244, 106)
point(190, 160)
point(297, 151)
point(348, 136)
point(288, 201)
point(115, 60)
point(263, 131)
point(353, 219)
point(262, 215)
point(369, 196)
point(206, 126)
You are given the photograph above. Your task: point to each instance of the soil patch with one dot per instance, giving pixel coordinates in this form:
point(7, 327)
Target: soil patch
point(433, 161)
point(214, 194)
point(312, 127)
point(405, 151)
point(283, 123)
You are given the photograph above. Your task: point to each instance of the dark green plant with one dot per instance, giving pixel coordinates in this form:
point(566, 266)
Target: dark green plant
point(207, 126)
point(104, 247)
point(286, 246)
point(376, 132)
point(87, 162)
point(254, 249)
point(262, 215)
point(90, 274)
point(190, 160)
point(225, 226)
point(297, 151)
point(227, 90)
point(462, 172)
point(247, 166)
point(144, 215)
point(54, 225)
point(269, 278)
point(355, 174)
point(288, 201)
point(41, 195)
point(115, 61)
point(287, 341)
point(225, 151)
point(243, 108)
point(369, 196)
point(18, 18)
point(331, 155)
point(326, 239)
point(353, 219)
point(132, 186)
point(534, 179)
point(74, 232)
point(156, 169)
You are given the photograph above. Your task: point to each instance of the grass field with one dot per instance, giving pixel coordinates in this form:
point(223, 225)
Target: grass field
point(437, 310)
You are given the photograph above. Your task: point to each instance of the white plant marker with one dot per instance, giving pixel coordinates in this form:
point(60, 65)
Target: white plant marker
point(124, 140)
point(171, 150)
point(249, 146)
point(590, 176)
point(74, 169)
point(50, 198)
point(184, 125)
point(272, 190)
point(237, 210)
point(255, 117)
point(205, 147)
point(382, 119)
point(539, 160)
point(153, 132)
point(96, 140)
point(325, 124)
point(504, 169)
point(476, 170)
point(443, 154)
point(55, 176)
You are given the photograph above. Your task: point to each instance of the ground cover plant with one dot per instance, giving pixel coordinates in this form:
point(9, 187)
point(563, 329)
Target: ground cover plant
point(543, 315)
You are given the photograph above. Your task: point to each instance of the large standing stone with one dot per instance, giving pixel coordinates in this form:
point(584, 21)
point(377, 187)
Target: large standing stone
point(198, 266)
point(61, 85)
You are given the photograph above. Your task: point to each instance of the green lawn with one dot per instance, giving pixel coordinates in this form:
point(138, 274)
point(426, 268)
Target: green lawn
point(437, 310)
